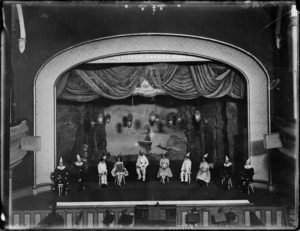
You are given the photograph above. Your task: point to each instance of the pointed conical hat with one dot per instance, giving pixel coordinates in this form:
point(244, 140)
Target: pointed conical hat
point(248, 160)
point(60, 160)
point(226, 158)
point(205, 155)
point(78, 158)
point(188, 154)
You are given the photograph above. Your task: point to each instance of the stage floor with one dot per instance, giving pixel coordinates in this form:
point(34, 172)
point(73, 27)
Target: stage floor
point(151, 191)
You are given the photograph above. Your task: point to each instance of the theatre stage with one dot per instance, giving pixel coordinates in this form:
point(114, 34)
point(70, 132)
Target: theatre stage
point(150, 191)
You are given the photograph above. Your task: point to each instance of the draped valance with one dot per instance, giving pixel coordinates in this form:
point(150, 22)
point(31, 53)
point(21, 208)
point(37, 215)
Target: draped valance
point(181, 81)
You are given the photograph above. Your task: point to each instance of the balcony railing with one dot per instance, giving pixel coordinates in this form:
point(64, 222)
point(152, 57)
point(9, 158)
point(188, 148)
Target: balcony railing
point(269, 217)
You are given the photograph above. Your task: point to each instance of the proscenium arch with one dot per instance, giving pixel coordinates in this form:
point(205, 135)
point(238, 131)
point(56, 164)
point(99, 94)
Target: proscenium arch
point(45, 89)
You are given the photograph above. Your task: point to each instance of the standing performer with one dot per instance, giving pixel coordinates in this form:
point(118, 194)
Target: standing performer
point(141, 165)
point(79, 173)
point(119, 171)
point(246, 176)
point(102, 172)
point(60, 179)
point(203, 174)
point(226, 171)
point(164, 168)
point(186, 169)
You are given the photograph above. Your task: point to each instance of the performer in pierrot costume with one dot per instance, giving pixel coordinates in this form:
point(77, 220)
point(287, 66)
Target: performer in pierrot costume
point(246, 176)
point(141, 165)
point(79, 173)
point(102, 172)
point(226, 171)
point(60, 177)
point(186, 169)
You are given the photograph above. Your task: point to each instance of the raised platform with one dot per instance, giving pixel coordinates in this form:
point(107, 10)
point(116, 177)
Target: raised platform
point(151, 192)
point(91, 204)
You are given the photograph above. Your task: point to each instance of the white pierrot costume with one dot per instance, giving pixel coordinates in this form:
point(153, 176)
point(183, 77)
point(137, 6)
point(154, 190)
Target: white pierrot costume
point(141, 165)
point(142, 161)
point(187, 164)
point(186, 168)
point(102, 170)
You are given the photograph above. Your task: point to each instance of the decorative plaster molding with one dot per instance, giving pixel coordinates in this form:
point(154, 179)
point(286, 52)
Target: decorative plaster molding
point(255, 74)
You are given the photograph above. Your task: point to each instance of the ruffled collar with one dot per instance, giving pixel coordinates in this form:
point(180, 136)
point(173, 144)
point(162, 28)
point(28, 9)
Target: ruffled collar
point(248, 166)
point(228, 164)
point(78, 163)
point(61, 167)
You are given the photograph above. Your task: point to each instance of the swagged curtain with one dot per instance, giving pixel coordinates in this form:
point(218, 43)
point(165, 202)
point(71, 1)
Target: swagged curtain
point(181, 81)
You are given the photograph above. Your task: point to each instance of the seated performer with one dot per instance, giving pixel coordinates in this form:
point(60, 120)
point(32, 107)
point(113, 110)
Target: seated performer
point(164, 169)
point(186, 169)
point(102, 172)
point(119, 171)
point(60, 179)
point(246, 176)
point(226, 171)
point(141, 165)
point(203, 174)
point(79, 173)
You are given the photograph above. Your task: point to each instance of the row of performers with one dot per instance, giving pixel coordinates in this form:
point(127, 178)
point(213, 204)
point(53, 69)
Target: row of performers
point(60, 177)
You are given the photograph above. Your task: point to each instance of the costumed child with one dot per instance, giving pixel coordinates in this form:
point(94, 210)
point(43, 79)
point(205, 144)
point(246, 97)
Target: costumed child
point(164, 168)
point(102, 172)
point(186, 169)
point(226, 171)
point(141, 165)
point(60, 179)
point(247, 174)
point(119, 171)
point(79, 173)
point(203, 175)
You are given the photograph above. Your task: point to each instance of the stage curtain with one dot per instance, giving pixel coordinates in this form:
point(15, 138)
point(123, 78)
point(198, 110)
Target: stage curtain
point(181, 81)
point(87, 84)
